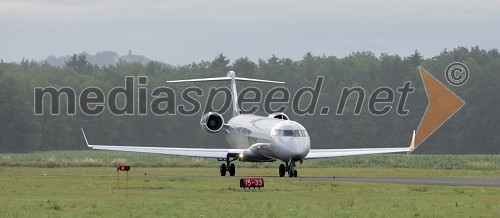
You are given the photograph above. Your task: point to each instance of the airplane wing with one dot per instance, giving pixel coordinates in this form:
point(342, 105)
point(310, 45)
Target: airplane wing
point(325, 153)
point(191, 152)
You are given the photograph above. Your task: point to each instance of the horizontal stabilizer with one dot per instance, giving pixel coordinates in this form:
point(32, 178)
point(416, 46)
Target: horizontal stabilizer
point(257, 80)
point(225, 78)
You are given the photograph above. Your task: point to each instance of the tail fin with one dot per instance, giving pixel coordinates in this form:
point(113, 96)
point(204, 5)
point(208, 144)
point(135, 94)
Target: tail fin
point(230, 76)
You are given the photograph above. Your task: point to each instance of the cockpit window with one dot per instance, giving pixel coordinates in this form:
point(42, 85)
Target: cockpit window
point(289, 133)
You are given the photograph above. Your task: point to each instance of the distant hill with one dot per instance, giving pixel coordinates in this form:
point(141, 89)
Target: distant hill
point(100, 58)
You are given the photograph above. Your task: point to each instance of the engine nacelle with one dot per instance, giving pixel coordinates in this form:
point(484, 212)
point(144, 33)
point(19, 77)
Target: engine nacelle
point(279, 115)
point(212, 122)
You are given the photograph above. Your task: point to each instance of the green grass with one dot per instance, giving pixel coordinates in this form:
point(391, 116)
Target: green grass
point(83, 184)
point(107, 158)
point(92, 192)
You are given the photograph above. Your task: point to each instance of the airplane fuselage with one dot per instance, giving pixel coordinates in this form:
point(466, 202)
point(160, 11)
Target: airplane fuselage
point(267, 139)
point(254, 138)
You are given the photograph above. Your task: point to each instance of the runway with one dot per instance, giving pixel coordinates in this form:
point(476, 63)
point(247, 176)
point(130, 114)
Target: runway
point(446, 181)
point(414, 180)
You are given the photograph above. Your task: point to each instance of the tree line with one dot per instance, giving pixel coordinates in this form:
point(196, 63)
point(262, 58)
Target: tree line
point(473, 129)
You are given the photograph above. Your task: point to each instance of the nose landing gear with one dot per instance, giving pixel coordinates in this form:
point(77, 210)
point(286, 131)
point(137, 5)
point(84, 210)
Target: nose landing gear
point(290, 168)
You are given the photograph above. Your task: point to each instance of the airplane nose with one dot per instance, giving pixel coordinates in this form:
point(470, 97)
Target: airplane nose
point(292, 147)
point(300, 148)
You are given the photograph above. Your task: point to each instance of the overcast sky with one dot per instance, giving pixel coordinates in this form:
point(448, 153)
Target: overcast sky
point(183, 31)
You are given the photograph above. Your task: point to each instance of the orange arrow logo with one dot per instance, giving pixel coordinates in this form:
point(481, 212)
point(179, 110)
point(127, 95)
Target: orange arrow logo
point(443, 103)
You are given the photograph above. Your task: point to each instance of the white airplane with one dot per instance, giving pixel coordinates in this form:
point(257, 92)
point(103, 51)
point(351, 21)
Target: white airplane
point(255, 138)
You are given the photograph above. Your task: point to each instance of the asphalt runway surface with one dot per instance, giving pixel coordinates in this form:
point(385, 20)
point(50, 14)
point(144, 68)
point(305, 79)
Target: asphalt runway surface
point(447, 181)
point(414, 180)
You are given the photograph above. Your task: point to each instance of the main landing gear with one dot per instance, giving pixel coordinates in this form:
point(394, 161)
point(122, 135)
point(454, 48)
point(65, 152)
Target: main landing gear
point(288, 168)
point(223, 167)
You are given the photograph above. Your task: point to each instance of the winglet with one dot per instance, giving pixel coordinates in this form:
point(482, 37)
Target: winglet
point(86, 141)
point(412, 145)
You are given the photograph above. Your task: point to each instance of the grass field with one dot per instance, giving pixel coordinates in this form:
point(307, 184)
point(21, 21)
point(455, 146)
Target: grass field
point(45, 184)
point(91, 158)
point(83, 184)
point(92, 191)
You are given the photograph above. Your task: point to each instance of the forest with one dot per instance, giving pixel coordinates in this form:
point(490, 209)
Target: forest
point(474, 129)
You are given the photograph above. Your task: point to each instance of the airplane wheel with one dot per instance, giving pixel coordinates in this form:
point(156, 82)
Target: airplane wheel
point(232, 170)
point(295, 173)
point(290, 173)
point(282, 170)
point(223, 170)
